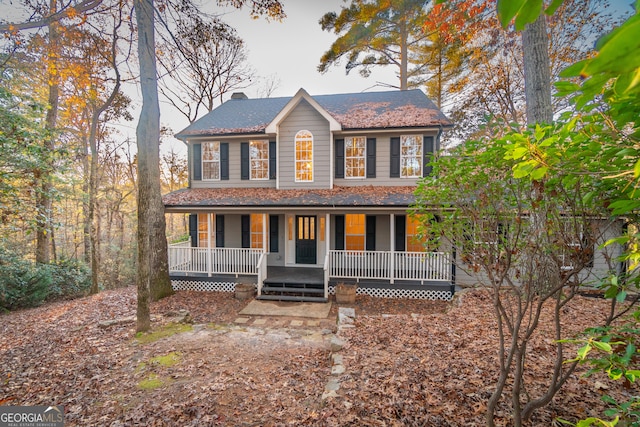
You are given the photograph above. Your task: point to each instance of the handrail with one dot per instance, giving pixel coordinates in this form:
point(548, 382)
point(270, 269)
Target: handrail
point(326, 275)
point(261, 268)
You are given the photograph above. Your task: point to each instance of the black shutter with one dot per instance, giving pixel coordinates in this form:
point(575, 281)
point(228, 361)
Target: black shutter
point(427, 155)
point(193, 230)
point(197, 162)
point(244, 160)
point(371, 157)
point(401, 224)
point(394, 171)
point(370, 239)
point(219, 231)
point(339, 158)
point(339, 221)
point(224, 161)
point(272, 160)
point(245, 225)
point(273, 233)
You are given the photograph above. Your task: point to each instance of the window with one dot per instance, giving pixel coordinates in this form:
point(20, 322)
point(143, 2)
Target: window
point(257, 226)
point(354, 232)
point(576, 249)
point(211, 160)
point(354, 156)
point(414, 242)
point(203, 229)
point(259, 158)
point(304, 156)
point(410, 156)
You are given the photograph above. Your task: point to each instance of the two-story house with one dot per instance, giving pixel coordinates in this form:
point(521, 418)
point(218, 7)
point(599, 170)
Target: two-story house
point(307, 191)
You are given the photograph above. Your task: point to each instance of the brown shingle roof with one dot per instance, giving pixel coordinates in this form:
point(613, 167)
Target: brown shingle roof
point(271, 197)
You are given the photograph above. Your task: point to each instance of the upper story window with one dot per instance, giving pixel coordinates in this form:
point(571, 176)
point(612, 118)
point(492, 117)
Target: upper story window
point(211, 160)
point(304, 156)
point(410, 156)
point(259, 158)
point(354, 156)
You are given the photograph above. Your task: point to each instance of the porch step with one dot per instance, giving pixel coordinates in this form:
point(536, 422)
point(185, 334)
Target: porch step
point(293, 289)
point(299, 298)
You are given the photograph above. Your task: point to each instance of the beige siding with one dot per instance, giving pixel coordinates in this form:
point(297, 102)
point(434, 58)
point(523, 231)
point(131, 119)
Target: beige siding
point(304, 117)
point(234, 180)
point(383, 163)
point(589, 276)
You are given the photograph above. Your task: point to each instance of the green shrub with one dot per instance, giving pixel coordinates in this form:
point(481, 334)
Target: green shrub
point(22, 284)
point(25, 284)
point(70, 279)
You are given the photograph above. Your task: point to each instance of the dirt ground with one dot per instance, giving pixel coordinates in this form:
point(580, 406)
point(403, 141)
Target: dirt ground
point(423, 363)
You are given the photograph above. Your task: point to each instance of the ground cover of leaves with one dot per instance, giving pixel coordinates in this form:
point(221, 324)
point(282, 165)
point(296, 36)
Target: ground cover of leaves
point(433, 368)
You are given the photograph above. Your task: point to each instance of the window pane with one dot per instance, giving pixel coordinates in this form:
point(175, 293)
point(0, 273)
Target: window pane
point(354, 232)
point(211, 160)
point(304, 156)
point(259, 159)
point(354, 157)
point(256, 231)
point(410, 156)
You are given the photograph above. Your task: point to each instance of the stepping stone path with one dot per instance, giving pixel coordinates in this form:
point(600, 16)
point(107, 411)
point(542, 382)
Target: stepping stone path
point(346, 318)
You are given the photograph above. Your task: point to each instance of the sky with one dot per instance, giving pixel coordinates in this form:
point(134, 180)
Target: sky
point(291, 51)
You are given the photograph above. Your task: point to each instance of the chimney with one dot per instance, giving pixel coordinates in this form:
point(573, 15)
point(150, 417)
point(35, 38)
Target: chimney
point(239, 95)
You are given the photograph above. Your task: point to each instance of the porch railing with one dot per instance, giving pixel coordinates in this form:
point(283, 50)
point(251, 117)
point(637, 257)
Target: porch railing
point(423, 266)
point(214, 260)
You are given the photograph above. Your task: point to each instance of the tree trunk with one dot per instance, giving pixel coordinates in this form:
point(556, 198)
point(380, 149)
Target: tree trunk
point(43, 176)
point(86, 226)
point(537, 72)
point(404, 57)
point(153, 273)
point(92, 220)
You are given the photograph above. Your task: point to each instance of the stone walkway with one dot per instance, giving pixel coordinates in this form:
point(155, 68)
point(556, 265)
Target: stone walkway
point(285, 322)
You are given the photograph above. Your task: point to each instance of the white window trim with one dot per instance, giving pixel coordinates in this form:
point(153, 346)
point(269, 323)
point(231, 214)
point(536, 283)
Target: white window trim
point(364, 158)
point(421, 144)
point(295, 149)
point(251, 178)
point(202, 161)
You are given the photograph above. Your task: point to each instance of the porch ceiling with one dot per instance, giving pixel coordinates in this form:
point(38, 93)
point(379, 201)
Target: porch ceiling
point(270, 197)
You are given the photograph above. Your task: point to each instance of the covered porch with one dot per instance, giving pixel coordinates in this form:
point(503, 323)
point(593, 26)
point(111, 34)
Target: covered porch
point(377, 273)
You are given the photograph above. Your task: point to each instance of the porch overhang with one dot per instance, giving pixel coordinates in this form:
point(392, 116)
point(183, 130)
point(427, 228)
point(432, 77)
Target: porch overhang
point(267, 199)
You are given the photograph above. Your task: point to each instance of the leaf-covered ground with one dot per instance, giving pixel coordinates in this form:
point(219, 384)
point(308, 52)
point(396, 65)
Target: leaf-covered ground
point(426, 363)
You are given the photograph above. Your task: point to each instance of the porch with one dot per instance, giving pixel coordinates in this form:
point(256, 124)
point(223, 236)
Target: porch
point(377, 273)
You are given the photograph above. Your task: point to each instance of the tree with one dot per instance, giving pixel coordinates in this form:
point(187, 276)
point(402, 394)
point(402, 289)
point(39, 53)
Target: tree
point(153, 272)
point(386, 33)
point(204, 60)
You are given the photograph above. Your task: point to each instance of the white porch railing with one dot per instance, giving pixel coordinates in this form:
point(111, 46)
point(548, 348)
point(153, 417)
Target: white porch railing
point(387, 265)
point(236, 261)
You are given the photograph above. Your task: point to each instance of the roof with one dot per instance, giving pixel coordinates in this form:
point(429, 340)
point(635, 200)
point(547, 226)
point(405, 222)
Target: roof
point(271, 197)
point(365, 110)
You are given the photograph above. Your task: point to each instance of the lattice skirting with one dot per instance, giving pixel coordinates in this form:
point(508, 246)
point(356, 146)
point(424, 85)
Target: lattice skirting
point(203, 286)
point(429, 294)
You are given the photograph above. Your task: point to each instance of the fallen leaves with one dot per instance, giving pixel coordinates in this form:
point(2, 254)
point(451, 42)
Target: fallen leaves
point(435, 367)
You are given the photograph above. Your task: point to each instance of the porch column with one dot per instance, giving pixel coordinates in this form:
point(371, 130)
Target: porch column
point(264, 232)
point(392, 241)
point(327, 245)
point(209, 251)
